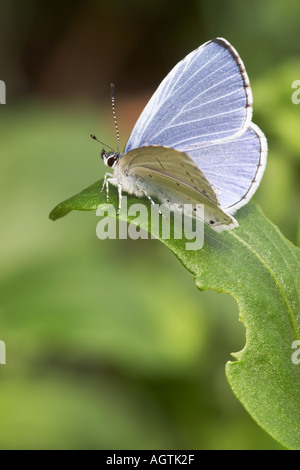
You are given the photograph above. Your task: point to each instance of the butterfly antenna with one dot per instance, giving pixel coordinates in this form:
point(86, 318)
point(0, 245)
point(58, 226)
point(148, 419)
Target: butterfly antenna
point(114, 114)
point(100, 142)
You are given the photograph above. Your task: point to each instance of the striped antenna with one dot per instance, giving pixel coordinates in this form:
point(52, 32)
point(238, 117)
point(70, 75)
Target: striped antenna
point(114, 114)
point(100, 142)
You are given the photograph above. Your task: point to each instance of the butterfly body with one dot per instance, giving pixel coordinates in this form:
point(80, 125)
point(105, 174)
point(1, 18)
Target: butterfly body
point(194, 143)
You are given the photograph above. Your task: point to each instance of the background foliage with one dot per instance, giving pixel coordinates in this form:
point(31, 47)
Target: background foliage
point(109, 344)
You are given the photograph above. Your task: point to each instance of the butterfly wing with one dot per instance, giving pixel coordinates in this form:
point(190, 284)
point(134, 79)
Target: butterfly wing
point(174, 178)
point(203, 109)
point(234, 167)
point(205, 97)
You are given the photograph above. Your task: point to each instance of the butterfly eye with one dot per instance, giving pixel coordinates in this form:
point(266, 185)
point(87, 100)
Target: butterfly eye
point(111, 161)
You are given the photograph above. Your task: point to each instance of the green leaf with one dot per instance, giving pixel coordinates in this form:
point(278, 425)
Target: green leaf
point(260, 269)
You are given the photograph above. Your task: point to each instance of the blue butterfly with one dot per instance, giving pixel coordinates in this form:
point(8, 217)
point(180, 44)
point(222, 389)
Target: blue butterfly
point(194, 142)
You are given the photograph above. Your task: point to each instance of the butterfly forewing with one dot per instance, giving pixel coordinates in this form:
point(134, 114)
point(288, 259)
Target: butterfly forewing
point(206, 97)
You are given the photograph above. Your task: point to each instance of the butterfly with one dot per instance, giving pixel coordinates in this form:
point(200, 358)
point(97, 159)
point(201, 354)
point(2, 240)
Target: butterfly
point(194, 142)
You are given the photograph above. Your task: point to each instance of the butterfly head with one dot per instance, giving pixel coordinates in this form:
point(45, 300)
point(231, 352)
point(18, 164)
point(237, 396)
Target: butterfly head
point(110, 159)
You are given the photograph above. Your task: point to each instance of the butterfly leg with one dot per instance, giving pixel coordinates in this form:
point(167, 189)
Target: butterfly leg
point(106, 183)
point(151, 200)
point(120, 198)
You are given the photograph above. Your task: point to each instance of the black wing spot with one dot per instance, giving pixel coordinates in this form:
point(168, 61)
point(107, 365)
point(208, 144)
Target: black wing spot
point(211, 222)
point(178, 184)
point(150, 176)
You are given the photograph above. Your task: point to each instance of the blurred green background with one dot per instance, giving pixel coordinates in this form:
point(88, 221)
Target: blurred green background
point(109, 343)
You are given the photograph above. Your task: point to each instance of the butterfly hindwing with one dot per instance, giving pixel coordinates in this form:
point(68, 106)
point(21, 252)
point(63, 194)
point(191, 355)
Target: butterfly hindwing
point(173, 178)
point(234, 167)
